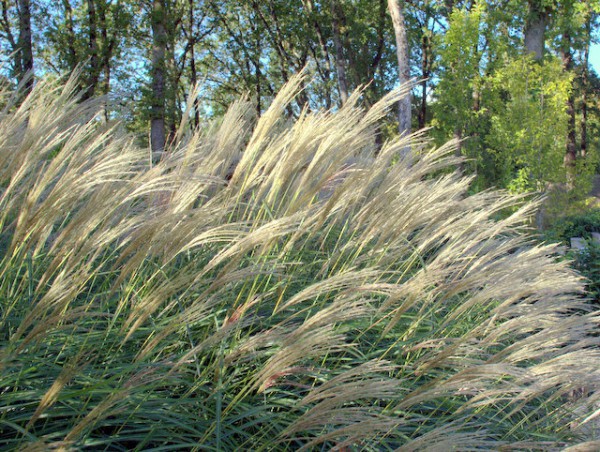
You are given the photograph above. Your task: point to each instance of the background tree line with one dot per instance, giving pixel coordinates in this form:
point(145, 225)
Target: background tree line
point(510, 78)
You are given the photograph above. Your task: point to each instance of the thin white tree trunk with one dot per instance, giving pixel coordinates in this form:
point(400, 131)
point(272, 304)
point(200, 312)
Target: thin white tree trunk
point(404, 106)
point(340, 63)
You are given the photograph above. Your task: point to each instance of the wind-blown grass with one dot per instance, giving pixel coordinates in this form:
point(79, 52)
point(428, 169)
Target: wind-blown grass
point(254, 291)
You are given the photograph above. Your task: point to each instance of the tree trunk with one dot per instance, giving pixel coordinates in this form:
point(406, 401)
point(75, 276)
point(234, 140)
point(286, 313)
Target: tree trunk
point(327, 69)
point(571, 148)
point(340, 62)
point(193, 70)
point(94, 72)
point(71, 31)
point(6, 29)
point(457, 136)
point(535, 29)
point(425, 75)
point(376, 61)
point(172, 77)
point(256, 60)
point(404, 107)
point(585, 87)
point(108, 44)
point(157, 108)
point(25, 46)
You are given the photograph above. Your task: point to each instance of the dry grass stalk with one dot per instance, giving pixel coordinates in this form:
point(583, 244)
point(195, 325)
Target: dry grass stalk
point(291, 285)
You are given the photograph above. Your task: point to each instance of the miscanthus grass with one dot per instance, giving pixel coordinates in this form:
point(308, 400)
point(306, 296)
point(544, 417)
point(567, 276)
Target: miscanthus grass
point(274, 285)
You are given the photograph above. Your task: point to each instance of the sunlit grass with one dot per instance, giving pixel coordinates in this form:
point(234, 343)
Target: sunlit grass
point(256, 291)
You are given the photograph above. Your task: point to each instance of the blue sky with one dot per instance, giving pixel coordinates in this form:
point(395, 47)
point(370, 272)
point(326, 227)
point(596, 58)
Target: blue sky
point(595, 57)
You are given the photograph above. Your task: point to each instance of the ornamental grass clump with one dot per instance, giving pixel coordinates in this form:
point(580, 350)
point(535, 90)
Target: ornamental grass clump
point(256, 291)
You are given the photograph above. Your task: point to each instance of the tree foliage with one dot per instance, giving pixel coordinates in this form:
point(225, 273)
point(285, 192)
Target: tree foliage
point(527, 133)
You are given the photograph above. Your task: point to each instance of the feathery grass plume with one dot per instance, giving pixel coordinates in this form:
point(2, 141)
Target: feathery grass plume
point(275, 285)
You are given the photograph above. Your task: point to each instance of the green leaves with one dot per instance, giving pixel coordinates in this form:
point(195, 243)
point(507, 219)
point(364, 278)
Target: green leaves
point(526, 136)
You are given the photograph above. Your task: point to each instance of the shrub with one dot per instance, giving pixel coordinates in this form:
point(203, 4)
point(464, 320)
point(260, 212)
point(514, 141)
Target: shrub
point(587, 262)
point(576, 225)
point(302, 303)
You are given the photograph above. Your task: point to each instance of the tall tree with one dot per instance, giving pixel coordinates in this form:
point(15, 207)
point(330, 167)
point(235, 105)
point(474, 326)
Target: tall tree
point(158, 73)
point(93, 50)
point(465, 55)
point(404, 106)
point(252, 47)
point(25, 48)
point(91, 35)
point(340, 58)
point(422, 16)
point(109, 39)
point(585, 74)
point(535, 27)
point(8, 35)
point(571, 146)
point(567, 28)
point(529, 123)
point(19, 46)
point(191, 33)
point(322, 56)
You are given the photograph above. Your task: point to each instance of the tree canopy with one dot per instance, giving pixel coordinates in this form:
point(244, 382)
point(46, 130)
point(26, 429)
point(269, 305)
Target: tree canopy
point(511, 79)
